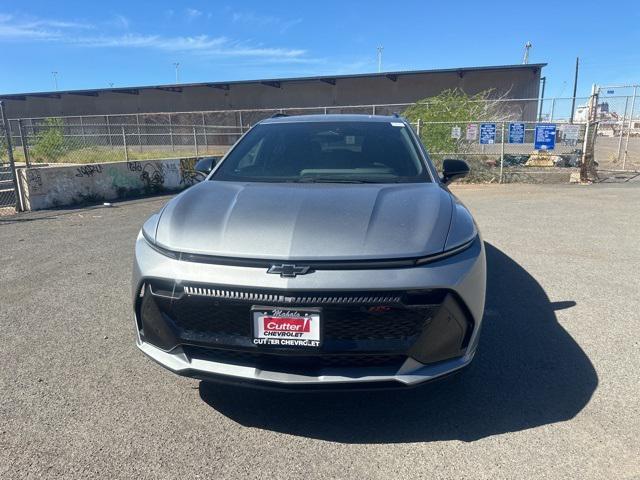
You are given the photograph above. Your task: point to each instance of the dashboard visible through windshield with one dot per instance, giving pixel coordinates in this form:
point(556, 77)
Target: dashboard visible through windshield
point(332, 152)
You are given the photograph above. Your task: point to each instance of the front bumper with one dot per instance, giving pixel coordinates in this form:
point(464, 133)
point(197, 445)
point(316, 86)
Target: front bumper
point(410, 373)
point(462, 275)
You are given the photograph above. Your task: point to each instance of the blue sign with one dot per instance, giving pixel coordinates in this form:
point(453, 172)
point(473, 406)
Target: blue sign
point(487, 133)
point(516, 133)
point(545, 137)
point(610, 92)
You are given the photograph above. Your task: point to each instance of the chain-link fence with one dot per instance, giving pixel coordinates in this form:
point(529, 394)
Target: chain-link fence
point(9, 194)
point(56, 141)
point(618, 143)
point(103, 138)
point(507, 150)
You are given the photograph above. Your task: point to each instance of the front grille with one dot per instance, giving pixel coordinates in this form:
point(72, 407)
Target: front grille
point(357, 329)
point(360, 324)
point(292, 363)
point(345, 322)
point(293, 299)
point(203, 316)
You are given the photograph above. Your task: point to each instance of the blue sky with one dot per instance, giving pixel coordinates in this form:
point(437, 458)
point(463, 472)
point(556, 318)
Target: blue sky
point(94, 44)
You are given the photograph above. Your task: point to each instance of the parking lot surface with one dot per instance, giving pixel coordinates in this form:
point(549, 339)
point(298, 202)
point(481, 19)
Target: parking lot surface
point(553, 392)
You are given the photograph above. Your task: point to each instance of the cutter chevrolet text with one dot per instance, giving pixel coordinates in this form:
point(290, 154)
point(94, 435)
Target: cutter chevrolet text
point(321, 250)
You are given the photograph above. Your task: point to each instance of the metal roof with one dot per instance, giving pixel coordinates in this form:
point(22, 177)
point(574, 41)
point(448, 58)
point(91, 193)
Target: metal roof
point(273, 82)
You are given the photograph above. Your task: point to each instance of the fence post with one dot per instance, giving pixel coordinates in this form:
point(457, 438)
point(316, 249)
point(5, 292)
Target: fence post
point(84, 140)
point(109, 131)
point(173, 147)
point(553, 107)
point(418, 127)
point(195, 140)
point(204, 132)
point(373, 109)
point(23, 140)
point(124, 144)
point(139, 136)
point(241, 124)
point(624, 119)
point(12, 165)
point(501, 153)
point(588, 145)
point(626, 143)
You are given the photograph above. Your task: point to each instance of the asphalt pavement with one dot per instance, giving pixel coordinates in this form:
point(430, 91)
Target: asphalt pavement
point(553, 392)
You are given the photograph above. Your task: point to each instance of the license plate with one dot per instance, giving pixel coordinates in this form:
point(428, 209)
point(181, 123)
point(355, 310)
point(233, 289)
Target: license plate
point(286, 327)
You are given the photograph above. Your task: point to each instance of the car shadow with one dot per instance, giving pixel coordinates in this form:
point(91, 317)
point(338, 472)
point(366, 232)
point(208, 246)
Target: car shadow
point(528, 372)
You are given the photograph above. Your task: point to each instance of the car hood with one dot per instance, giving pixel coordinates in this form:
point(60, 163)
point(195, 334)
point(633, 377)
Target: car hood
point(307, 221)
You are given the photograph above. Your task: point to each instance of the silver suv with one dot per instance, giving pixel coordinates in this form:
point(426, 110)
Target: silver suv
point(321, 250)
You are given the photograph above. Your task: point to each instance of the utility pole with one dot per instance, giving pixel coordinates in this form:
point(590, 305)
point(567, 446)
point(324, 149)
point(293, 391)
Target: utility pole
point(55, 80)
point(177, 67)
point(527, 47)
point(380, 49)
point(575, 89)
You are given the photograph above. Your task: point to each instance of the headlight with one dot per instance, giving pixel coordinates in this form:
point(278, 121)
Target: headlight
point(149, 228)
point(462, 233)
point(462, 230)
point(149, 233)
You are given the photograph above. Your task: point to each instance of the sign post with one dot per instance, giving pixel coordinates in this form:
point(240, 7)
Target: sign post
point(501, 151)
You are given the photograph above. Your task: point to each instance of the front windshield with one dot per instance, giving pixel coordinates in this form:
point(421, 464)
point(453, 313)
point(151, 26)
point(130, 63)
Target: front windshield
point(340, 152)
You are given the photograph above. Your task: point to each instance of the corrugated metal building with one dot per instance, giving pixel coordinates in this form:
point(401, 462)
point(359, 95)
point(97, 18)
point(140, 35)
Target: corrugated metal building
point(512, 81)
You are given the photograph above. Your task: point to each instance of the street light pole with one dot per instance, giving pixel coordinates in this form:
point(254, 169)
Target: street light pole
point(380, 49)
point(177, 67)
point(527, 47)
point(55, 80)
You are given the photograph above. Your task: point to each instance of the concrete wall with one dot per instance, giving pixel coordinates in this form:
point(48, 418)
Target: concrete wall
point(57, 186)
point(519, 81)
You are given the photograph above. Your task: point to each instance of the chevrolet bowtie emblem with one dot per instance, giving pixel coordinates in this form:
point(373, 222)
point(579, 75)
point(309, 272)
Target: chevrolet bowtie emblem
point(288, 270)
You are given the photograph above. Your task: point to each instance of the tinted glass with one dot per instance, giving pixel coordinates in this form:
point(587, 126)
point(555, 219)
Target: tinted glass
point(376, 152)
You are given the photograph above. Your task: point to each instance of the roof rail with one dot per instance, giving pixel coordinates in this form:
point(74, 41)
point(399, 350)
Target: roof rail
point(279, 114)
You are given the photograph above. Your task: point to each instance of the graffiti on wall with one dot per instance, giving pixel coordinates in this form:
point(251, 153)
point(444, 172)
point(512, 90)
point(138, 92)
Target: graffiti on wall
point(188, 174)
point(88, 170)
point(122, 180)
point(34, 179)
point(152, 175)
point(134, 166)
point(67, 185)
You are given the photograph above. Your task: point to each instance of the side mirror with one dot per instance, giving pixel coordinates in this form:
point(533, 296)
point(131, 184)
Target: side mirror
point(205, 165)
point(452, 169)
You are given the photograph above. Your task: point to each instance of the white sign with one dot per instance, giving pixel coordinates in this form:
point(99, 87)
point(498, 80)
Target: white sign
point(570, 132)
point(456, 132)
point(472, 131)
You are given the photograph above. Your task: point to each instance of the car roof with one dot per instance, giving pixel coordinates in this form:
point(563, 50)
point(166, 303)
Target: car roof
point(332, 118)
